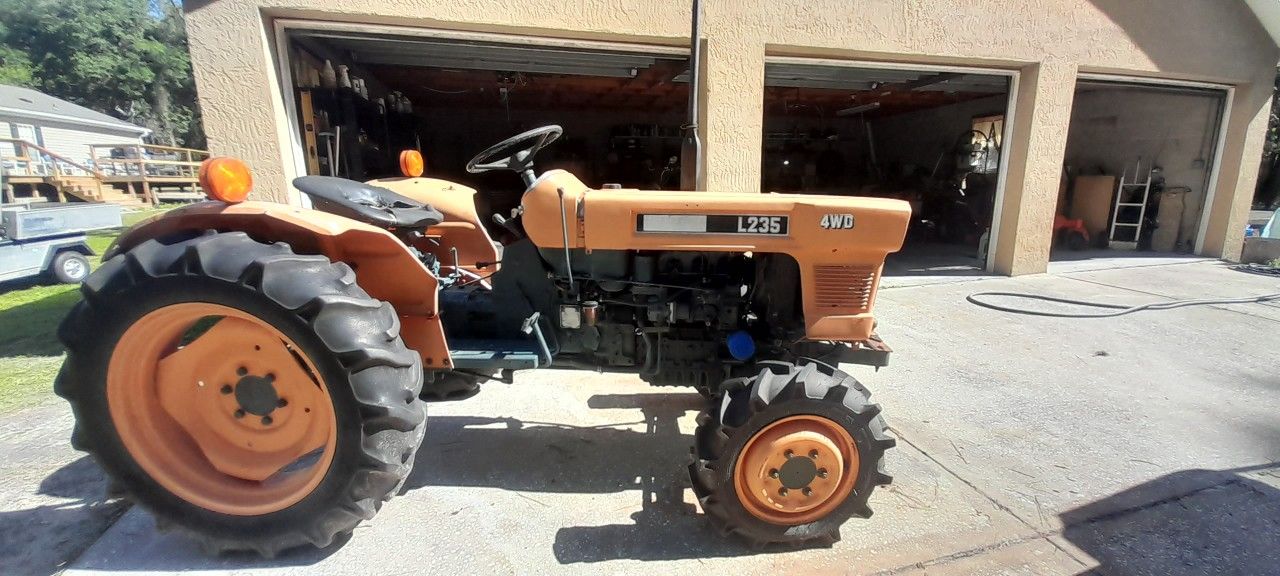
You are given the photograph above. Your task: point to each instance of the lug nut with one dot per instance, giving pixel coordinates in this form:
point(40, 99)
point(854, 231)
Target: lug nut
point(782, 491)
point(226, 388)
point(822, 472)
point(271, 377)
point(813, 454)
point(281, 403)
point(773, 473)
point(239, 413)
point(266, 420)
point(788, 454)
point(807, 492)
point(241, 371)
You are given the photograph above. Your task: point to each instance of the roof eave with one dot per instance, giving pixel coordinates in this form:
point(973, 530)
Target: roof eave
point(73, 120)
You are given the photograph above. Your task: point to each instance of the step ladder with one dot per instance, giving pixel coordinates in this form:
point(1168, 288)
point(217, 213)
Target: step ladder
point(1130, 209)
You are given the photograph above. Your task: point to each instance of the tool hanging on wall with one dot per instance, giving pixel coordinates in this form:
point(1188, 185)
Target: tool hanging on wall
point(337, 150)
point(333, 146)
point(309, 129)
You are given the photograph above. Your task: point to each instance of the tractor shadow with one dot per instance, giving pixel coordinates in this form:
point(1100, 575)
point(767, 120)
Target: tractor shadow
point(42, 539)
point(647, 456)
point(530, 456)
point(47, 540)
point(1187, 522)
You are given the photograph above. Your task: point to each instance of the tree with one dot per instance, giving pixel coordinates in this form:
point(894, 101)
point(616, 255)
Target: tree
point(173, 92)
point(126, 58)
point(15, 67)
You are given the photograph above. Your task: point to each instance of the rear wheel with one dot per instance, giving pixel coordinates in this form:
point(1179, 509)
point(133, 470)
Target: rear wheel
point(252, 396)
point(789, 454)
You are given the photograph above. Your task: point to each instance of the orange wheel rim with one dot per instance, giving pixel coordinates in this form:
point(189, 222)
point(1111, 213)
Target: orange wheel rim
point(231, 417)
point(796, 470)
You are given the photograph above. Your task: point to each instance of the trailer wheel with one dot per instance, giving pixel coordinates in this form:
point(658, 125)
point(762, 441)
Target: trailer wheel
point(69, 267)
point(789, 454)
point(256, 398)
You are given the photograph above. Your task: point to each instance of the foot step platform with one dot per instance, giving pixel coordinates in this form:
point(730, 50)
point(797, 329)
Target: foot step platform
point(495, 354)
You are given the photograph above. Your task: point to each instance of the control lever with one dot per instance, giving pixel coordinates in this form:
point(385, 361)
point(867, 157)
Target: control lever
point(509, 225)
point(530, 325)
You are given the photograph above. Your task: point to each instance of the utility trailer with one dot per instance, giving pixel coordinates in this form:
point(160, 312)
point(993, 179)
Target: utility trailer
point(50, 239)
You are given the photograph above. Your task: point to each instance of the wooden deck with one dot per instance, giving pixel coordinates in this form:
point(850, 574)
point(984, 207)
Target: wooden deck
point(125, 174)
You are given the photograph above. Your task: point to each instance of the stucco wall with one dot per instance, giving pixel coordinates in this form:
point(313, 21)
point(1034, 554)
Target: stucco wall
point(1048, 41)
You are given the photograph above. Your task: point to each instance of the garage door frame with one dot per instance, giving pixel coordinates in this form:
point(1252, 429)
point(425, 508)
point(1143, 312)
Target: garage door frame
point(1224, 113)
point(284, 67)
point(1006, 136)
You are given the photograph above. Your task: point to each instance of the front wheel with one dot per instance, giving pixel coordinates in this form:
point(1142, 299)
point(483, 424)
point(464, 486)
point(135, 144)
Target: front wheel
point(789, 454)
point(256, 398)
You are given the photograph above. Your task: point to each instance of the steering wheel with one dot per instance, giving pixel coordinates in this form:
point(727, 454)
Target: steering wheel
point(515, 153)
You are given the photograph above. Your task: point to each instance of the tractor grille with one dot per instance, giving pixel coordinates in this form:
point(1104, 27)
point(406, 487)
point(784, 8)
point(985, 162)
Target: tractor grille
point(844, 289)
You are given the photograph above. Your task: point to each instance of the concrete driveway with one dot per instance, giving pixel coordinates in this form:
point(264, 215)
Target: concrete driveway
point(1146, 444)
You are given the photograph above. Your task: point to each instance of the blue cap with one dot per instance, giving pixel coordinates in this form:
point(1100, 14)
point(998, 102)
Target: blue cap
point(741, 346)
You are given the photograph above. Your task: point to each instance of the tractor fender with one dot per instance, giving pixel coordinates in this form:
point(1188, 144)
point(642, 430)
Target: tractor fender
point(384, 267)
point(461, 229)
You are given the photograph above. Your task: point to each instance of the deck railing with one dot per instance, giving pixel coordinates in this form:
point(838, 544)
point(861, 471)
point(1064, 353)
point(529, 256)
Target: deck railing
point(21, 158)
point(137, 168)
point(147, 162)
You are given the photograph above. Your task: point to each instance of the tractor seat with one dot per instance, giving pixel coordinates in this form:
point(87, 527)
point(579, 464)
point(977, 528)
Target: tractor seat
point(369, 204)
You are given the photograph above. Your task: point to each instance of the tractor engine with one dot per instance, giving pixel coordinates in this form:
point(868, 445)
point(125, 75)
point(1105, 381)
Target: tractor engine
point(684, 318)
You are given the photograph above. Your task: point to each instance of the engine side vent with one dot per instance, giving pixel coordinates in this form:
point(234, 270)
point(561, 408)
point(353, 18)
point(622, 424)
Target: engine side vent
point(843, 289)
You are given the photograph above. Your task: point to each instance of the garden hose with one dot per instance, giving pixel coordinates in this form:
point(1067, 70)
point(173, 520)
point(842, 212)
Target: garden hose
point(1118, 309)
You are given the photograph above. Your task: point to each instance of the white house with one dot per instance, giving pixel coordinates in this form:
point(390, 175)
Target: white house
point(63, 128)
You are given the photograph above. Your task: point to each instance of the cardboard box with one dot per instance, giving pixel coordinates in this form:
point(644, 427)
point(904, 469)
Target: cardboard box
point(1091, 200)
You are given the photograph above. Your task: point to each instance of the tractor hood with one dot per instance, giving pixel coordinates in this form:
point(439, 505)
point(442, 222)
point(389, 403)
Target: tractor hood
point(839, 242)
point(819, 228)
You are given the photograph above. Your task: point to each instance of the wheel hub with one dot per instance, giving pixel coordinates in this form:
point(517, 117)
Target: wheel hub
point(796, 470)
point(73, 268)
point(256, 394)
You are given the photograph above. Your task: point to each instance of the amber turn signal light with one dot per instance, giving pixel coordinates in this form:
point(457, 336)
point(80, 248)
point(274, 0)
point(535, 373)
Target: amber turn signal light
point(225, 179)
point(411, 163)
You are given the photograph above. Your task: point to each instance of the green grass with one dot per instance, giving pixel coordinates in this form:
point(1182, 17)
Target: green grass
point(30, 311)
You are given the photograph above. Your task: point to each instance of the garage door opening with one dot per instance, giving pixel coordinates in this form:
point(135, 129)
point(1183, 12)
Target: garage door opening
point(933, 138)
point(1138, 165)
point(362, 98)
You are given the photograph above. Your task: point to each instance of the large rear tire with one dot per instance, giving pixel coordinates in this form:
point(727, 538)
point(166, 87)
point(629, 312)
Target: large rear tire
point(253, 397)
point(789, 454)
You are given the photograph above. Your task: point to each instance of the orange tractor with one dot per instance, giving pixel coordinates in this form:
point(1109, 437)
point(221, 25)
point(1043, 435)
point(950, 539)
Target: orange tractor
point(256, 374)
